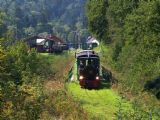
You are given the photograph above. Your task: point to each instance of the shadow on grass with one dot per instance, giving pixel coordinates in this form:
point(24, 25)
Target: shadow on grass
point(153, 86)
point(107, 80)
point(103, 85)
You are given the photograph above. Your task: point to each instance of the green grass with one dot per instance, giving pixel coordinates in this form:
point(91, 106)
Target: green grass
point(102, 104)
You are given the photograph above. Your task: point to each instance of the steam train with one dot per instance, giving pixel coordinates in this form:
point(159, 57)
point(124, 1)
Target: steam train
point(88, 69)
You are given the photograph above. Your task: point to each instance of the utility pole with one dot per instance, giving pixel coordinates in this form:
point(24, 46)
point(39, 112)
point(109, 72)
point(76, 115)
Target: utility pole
point(77, 40)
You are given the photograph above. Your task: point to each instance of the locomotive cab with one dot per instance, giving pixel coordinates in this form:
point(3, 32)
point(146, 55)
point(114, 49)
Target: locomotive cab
point(88, 69)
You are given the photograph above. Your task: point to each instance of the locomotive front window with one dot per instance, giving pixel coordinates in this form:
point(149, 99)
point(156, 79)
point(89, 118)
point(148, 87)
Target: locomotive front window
point(93, 61)
point(88, 61)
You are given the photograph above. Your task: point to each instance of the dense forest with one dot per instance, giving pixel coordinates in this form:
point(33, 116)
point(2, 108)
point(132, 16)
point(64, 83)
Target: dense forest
point(130, 32)
point(24, 18)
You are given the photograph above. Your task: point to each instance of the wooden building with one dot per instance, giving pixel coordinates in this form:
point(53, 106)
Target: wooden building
point(48, 44)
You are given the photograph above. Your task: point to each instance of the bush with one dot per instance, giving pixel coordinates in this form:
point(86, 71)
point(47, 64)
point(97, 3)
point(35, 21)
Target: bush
point(21, 80)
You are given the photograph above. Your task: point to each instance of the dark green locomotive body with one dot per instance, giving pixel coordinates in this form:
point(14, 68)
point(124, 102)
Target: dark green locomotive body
point(88, 69)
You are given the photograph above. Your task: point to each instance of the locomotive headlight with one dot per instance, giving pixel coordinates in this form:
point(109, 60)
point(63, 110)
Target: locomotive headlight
point(97, 77)
point(81, 77)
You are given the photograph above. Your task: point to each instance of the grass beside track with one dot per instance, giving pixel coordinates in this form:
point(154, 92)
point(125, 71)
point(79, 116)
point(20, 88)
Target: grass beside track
point(58, 104)
point(102, 104)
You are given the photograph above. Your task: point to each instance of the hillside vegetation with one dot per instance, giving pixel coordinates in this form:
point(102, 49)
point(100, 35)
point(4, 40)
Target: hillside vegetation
point(21, 77)
point(32, 86)
point(25, 18)
point(130, 33)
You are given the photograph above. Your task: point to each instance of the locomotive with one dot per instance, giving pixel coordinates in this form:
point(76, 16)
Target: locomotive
point(88, 69)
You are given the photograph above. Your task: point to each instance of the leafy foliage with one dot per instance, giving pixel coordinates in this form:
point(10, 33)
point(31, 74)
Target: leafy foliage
point(21, 83)
point(136, 42)
point(97, 21)
point(59, 17)
point(134, 51)
point(23, 72)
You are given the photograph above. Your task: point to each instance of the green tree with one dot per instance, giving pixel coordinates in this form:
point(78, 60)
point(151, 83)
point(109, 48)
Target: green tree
point(97, 19)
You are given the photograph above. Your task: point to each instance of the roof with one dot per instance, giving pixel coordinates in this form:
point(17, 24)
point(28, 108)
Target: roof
point(40, 41)
point(52, 38)
point(92, 40)
point(87, 53)
point(33, 38)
